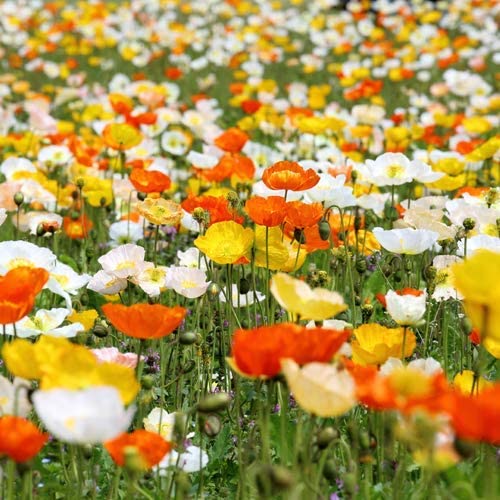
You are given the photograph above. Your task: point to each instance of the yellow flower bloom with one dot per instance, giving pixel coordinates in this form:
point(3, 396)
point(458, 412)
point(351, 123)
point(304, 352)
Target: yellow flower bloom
point(86, 318)
point(320, 388)
point(486, 150)
point(277, 251)
point(464, 382)
point(293, 263)
point(374, 344)
point(298, 298)
point(160, 211)
point(476, 125)
point(477, 280)
point(367, 243)
point(226, 242)
point(97, 192)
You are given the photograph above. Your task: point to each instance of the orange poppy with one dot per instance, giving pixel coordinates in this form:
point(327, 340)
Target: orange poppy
point(232, 140)
point(300, 214)
point(146, 118)
point(478, 417)
point(150, 448)
point(230, 164)
point(216, 206)
point(144, 321)
point(120, 103)
point(267, 212)
point(78, 228)
point(149, 181)
point(121, 136)
point(257, 352)
point(18, 289)
point(20, 440)
point(290, 176)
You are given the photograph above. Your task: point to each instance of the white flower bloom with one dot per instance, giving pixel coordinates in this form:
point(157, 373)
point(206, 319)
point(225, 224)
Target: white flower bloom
point(479, 242)
point(106, 283)
point(332, 191)
point(161, 422)
point(175, 142)
point(429, 366)
point(37, 218)
point(406, 309)
point(192, 459)
point(201, 160)
point(46, 322)
point(192, 257)
point(12, 165)
point(22, 253)
point(152, 279)
point(55, 155)
point(124, 261)
point(374, 201)
point(124, 231)
point(188, 282)
point(64, 281)
point(406, 241)
point(14, 397)
point(444, 288)
point(241, 299)
point(394, 169)
point(88, 416)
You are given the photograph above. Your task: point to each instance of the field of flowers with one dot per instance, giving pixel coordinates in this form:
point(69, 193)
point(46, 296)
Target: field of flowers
point(249, 249)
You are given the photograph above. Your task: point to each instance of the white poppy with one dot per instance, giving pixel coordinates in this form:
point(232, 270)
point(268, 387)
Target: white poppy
point(46, 322)
point(152, 279)
point(191, 257)
point(192, 459)
point(175, 142)
point(406, 309)
point(88, 416)
point(161, 422)
point(124, 231)
point(12, 165)
point(241, 299)
point(14, 397)
point(124, 261)
point(406, 241)
point(22, 253)
point(188, 282)
point(55, 155)
point(106, 283)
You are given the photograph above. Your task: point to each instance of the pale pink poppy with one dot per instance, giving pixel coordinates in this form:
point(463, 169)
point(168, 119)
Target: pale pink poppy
point(113, 355)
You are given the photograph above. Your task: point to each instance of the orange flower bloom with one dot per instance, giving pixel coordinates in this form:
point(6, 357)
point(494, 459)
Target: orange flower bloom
point(150, 448)
point(121, 136)
point(216, 206)
point(300, 214)
point(18, 289)
point(20, 440)
point(477, 417)
point(120, 103)
point(289, 175)
point(267, 212)
point(257, 352)
point(230, 164)
point(232, 140)
point(77, 229)
point(145, 321)
point(149, 181)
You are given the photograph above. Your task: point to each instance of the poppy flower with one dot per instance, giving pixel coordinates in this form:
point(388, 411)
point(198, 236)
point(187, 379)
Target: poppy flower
point(144, 321)
point(160, 211)
point(258, 352)
point(149, 181)
point(149, 446)
point(121, 136)
point(290, 176)
point(374, 344)
point(216, 206)
point(78, 228)
point(320, 388)
point(120, 103)
point(298, 298)
point(406, 307)
point(232, 140)
point(226, 242)
point(301, 215)
point(476, 417)
point(20, 440)
point(230, 164)
point(267, 212)
point(18, 289)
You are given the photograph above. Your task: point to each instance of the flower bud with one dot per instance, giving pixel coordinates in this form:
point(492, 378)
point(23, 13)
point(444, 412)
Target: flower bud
point(147, 382)
point(87, 451)
point(132, 459)
point(188, 338)
point(100, 331)
point(214, 402)
point(212, 426)
point(213, 291)
point(19, 198)
point(326, 436)
point(329, 470)
point(40, 229)
point(244, 286)
point(80, 182)
point(298, 235)
point(141, 196)
point(324, 229)
point(469, 224)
